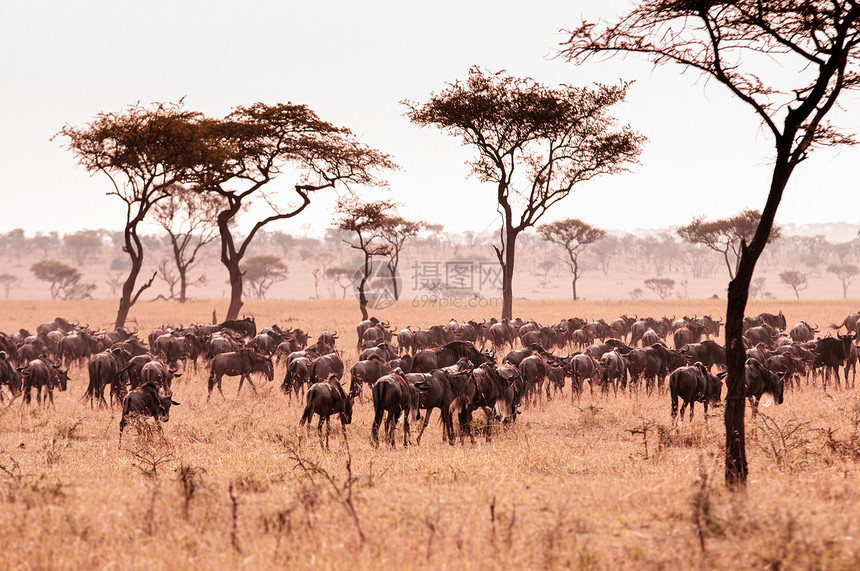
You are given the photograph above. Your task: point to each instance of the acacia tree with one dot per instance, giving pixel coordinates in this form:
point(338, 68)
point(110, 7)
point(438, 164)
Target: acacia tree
point(61, 277)
point(845, 273)
point(794, 279)
point(726, 235)
point(262, 272)
point(188, 217)
point(534, 143)
point(143, 152)
point(364, 222)
point(394, 231)
point(82, 245)
point(573, 235)
point(7, 282)
point(737, 44)
point(252, 146)
point(661, 286)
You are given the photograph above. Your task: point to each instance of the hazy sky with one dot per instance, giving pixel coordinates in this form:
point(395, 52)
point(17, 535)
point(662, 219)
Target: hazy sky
point(352, 63)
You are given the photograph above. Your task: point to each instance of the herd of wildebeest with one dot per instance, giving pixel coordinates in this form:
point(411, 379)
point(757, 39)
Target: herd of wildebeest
point(498, 367)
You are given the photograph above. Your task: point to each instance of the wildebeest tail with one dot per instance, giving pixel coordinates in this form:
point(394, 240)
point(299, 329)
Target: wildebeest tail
point(673, 390)
point(308, 413)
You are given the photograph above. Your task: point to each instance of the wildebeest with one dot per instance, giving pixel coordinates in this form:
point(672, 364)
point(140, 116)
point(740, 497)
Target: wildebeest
point(693, 384)
point(77, 347)
point(583, 367)
point(775, 321)
point(40, 374)
point(614, 371)
point(831, 353)
point(393, 395)
point(160, 375)
point(708, 352)
point(242, 362)
point(9, 376)
point(58, 324)
point(324, 366)
point(495, 390)
point(765, 334)
point(759, 381)
point(437, 390)
point(104, 368)
point(850, 323)
point(298, 375)
point(145, 401)
point(427, 360)
point(325, 399)
point(802, 332)
point(534, 372)
point(366, 372)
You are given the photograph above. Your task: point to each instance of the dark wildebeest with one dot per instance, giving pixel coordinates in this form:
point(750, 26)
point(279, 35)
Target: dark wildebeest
point(787, 365)
point(133, 368)
point(145, 401)
point(325, 399)
point(621, 327)
point(765, 334)
point(297, 376)
point(104, 368)
point(242, 362)
point(501, 334)
point(709, 327)
point(9, 376)
point(393, 395)
point(427, 360)
point(850, 323)
point(40, 374)
point(708, 352)
point(775, 321)
point(366, 373)
point(404, 340)
point(169, 347)
point(614, 371)
point(58, 324)
point(517, 355)
point(77, 347)
point(495, 390)
point(324, 366)
point(759, 381)
point(381, 349)
point(437, 390)
point(693, 384)
point(583, 367)
point(159, 374)
point(683, 336)
point(246, 327)
point(534, 372)
point(652, 364)
point(831, 353)
point(802, 332)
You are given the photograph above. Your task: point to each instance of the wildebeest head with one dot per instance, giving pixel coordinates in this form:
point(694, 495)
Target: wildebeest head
point(164, 402)
point(62, 377)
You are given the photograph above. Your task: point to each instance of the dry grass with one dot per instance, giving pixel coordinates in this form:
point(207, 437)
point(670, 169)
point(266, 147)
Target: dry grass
point(607, 483)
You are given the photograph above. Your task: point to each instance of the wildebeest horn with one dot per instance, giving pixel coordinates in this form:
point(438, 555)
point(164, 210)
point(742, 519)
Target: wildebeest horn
point(173, 402)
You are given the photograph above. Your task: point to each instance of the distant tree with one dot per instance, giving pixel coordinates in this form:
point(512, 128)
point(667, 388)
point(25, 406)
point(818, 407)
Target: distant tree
point(845, 273)
point(14, 242)
point(661, 286)
point(262, 272)
point(546, 265)
point(725, 235)
point(7, 282)
point(283, 241)
point(143, 152)
point(636, 293)
point(364, 221)
point(605, 249)
point(83, 245)
point(254, 145)
point(573, 235)
point(757, 288)
point(64, 280)
point(394, 231)
point(341, 277)
point(48, 243)
point(534, 144)
point(188, 217)
point(794, 279)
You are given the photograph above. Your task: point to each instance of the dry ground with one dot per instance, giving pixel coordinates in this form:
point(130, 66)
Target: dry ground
point(605, 483)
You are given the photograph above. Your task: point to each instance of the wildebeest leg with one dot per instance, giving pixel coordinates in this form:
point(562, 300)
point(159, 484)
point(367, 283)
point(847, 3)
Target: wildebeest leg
point(327, 430)
point(250, 382)
point(426, 422)
point(692, 405)
point(406, 429)
point(374, 429)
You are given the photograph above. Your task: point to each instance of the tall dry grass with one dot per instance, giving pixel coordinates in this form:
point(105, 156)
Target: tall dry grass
point(602, 483)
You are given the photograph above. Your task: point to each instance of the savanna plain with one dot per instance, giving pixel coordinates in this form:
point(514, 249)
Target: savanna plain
point(604, 483)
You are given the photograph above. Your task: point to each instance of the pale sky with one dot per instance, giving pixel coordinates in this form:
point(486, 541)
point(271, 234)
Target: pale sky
point(352, 63)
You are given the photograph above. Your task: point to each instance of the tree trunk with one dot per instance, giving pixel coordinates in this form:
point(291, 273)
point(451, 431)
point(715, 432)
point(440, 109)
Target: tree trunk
point(183, 282)
point(235, 274)
point(392, 270)
point(738, 294)
point(575, 275)
point(134, 249)
point(508, 274)
point(362, 296)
